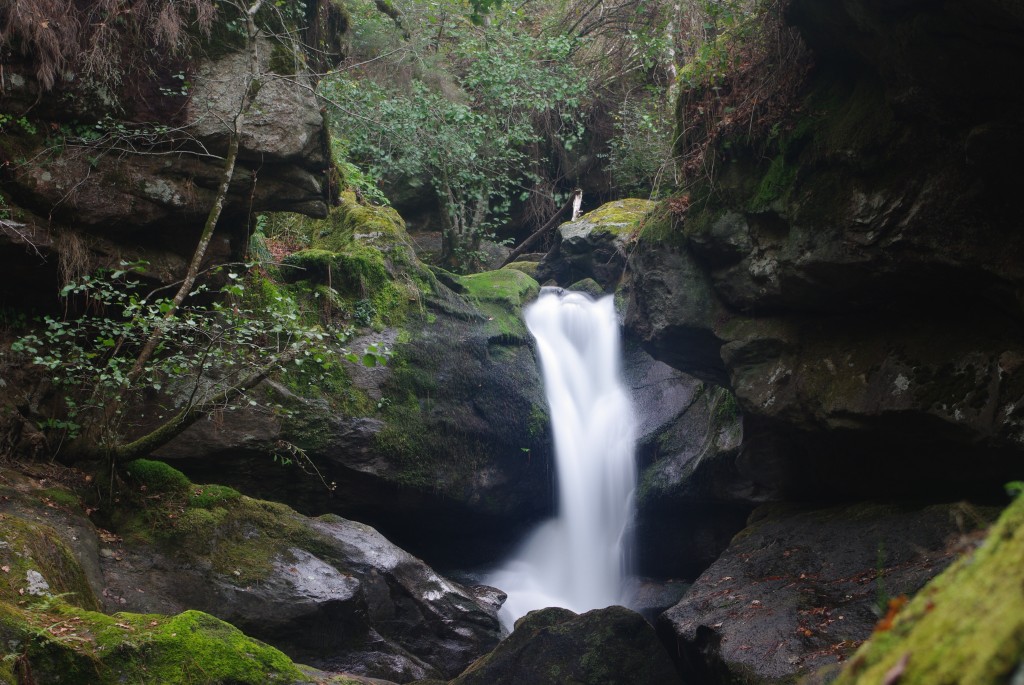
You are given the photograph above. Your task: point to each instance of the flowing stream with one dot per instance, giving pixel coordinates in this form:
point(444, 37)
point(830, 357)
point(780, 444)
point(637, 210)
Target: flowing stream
point(578, 560)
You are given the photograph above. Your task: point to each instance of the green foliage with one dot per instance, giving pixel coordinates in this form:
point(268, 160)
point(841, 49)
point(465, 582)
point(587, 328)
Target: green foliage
point(10, 121)
point(640, 152)
point(466, 132)
point(204, 352)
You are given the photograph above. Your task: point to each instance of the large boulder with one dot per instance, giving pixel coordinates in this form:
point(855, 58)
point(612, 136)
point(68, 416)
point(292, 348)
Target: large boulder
point(801, 588)
point(445, 448)
point(555, 646)
point(50, 626)
point(331, 592)
point(594, 246)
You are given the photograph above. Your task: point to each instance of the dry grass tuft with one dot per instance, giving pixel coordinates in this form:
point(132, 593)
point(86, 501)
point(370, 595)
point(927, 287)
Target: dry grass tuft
point(101, 40)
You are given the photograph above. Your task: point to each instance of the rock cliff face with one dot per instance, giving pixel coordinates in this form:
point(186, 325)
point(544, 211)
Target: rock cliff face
point(858, 286)
point(86, 187)
point(854, 277)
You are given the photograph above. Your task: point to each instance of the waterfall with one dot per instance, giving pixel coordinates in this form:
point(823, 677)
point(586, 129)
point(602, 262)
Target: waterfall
point(578, 559)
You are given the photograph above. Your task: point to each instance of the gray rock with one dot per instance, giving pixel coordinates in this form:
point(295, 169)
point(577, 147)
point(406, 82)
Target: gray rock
point(800, 588)
point(556, 646)
point(355, 603)
point(595, 245)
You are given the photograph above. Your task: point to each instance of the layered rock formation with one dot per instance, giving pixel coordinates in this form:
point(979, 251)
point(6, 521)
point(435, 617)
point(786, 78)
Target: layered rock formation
point(858, 287)
point(854, 278)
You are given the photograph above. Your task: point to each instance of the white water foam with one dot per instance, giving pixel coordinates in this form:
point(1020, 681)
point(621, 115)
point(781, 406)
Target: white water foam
point(578, 559)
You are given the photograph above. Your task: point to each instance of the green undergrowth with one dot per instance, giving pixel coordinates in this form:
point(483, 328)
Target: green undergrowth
point(239, 536)
point(361, 263)
point(966, 626)
point(54, 642)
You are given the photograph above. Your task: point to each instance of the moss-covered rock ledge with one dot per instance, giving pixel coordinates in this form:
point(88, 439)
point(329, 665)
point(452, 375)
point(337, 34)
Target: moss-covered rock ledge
point(172, 555)
point(595, 245)
point(966, 626)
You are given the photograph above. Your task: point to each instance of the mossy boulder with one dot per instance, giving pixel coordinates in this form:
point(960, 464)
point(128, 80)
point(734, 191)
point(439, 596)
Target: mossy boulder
point(64, 644)
point(801, 588)
point(501, 295)
point(527, 267)
point(450, 435)
point(361, 263)
point(966, 626)
point(50, 582)
point(594, 246)
point(555, 646)
point(328, 591)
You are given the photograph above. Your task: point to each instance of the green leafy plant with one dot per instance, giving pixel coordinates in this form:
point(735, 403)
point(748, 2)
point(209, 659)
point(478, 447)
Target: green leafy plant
point(467, 137)
point(208, 356)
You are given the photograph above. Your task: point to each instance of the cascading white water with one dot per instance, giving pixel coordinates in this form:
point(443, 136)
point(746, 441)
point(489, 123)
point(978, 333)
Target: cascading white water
point(578, 560)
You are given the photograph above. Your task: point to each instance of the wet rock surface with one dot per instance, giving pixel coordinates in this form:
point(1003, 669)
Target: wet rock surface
point(801, 588)
point(359, 604)
point(556, 646)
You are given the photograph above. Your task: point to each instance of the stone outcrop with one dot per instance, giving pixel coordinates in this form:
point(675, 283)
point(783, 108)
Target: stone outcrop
point(329, 592)
point(799, 588)
point(594, 246)
point(83, 195)
point(858, 287)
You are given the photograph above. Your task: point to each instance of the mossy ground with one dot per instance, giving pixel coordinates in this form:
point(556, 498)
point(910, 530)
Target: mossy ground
point(54, 642)
point(966, 626)
point(240, 536)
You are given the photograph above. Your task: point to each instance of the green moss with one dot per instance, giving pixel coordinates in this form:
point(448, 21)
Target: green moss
point(426, 449)
point(157, 477)
point(63, 644)
point(360, 264)
point(283, 59)
point(966, 626)
point(32, 547)
point(775, 186)
point(588, 286)
point(60, 497)
point(662, 226)
point(208, 496)
point(528, 268)
point(622, 217)
point(539, 421)
point(501, 295)
point(239, 537)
